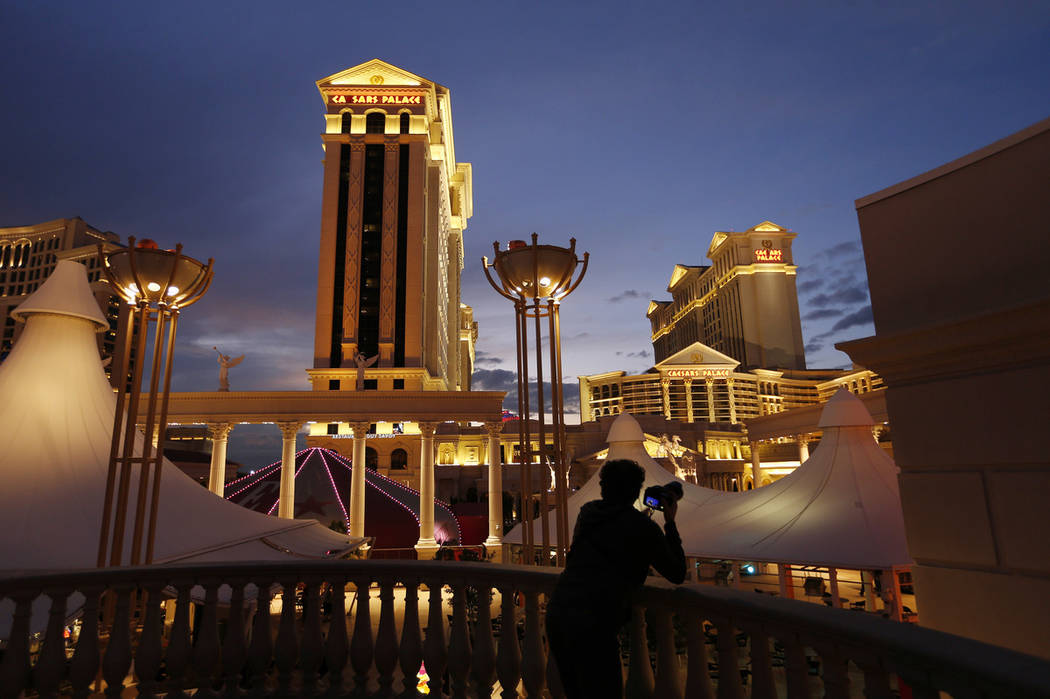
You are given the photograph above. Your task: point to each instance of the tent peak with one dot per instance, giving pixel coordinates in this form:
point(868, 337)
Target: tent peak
point(65, 292)
point(845, 410)
point(625, 429)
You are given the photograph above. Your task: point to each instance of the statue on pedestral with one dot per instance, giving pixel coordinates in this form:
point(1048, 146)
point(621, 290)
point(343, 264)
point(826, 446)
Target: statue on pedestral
point(362, 364)
point(224, 368)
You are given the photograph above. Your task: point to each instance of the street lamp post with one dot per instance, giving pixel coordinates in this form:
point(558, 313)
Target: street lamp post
point(536, 278)
point(158, 284)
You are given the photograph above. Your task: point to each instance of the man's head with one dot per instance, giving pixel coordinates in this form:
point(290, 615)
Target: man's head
point(621, 481)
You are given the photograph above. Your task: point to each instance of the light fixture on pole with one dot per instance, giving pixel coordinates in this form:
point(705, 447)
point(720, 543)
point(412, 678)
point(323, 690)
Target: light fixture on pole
point(536, 278)
point(158, 284)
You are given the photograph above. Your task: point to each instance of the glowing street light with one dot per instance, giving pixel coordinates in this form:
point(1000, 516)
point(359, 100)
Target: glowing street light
point(536, 278)
point(158, 284)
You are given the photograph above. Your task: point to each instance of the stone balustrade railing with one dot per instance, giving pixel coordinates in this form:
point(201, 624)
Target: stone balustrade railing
point(704, 641)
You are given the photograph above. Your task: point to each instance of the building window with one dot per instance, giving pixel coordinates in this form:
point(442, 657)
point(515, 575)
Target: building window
point(375, 122)
point(404, 122)
point(371, 459)
point(399, 384)
point(347, 121)
point(371, 384)
point(333, 384)
point(333, 428)
point(398, 460)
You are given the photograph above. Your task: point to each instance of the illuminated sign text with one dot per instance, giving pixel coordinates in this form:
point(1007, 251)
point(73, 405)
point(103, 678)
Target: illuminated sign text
point(767, 255)
point(376, 99)
point(697, 373)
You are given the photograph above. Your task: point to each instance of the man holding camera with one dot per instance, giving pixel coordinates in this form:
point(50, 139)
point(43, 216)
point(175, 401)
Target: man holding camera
point(613, 547)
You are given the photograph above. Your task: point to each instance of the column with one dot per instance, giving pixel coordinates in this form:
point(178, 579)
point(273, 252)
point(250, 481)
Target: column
point(357, 480)
point(665, 388)
point(219, 433)
point(286, 502)
point(867, 581)
point(833, 580)
point(688, 399)
point(756, 465)
point(732, 400)
point(426, 547)
point(494, 542)
point(710, 385)
point(803, 448)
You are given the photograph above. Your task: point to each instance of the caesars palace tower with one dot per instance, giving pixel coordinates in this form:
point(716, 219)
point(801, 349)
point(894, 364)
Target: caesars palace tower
point(395, 204)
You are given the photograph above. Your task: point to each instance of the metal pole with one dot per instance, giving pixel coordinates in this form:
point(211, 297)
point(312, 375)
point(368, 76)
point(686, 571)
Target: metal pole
point(523, 431)
point(159, 463)
point(147, 441)
point(558, 430)
point(541, 438)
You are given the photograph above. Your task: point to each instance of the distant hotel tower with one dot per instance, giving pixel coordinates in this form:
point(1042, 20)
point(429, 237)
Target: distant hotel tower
point(395, 204)
point(744, 305)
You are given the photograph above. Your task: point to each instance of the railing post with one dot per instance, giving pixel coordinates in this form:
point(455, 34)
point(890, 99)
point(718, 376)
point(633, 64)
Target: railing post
point(234, 650)
point(117, 661)
point(533, 664)
point(361, 648)
point(150, 648)
point(261, 646)
point(84, 667)
point(411, 651)
point(286, 647)
point(508, 661)
point(386, 638)
point(177, 660)
point(14, 672)
point(836, 679)
point(337, 646)
point(762, 684)
point(50, 668)
point(795, 667)
point(311, 647)
point(729, 686)
point(640, 681)
point(668, 683)
point(206, 651)
point(483, 664)
point(698, 678)
point(435, 651)
point(459, 642)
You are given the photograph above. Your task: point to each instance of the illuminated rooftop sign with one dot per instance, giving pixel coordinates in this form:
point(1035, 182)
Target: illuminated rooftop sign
point(769, 255)
point(375, 99)
point(696, 373)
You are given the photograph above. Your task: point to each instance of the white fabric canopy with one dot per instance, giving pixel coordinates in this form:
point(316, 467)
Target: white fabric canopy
point(56, 421)
point(840, 508)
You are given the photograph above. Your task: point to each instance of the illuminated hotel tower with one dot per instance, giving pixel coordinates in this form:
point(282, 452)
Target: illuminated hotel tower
point(395, 204)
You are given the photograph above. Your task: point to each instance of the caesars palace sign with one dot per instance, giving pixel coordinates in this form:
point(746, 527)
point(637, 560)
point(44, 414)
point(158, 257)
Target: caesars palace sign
point(376, 99)
point(696, 373)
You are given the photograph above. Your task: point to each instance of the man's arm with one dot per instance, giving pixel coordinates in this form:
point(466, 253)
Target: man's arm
point(668, 556)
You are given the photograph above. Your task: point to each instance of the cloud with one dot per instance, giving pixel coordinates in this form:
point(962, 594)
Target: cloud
point(642, 354)
point(842, 249)
point(860, 317)
point(846, 296)
point(813, 347)
point(810, 286)
point(629, 294)
point(486, 358)
point(822, 313)
point(503, 380)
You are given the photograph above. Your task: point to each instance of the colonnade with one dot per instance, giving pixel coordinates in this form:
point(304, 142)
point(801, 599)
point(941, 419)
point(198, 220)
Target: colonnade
point(709, 385)
point(426, 546)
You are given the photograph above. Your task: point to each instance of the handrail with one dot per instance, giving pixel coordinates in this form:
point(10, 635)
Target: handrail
point(810, 649)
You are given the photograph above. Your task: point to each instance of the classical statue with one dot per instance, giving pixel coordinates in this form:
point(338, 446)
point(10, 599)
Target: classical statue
point(224, 368)
point(362, 364)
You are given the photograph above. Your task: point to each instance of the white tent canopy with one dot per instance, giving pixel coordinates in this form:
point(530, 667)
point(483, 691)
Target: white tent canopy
point(56, 419)
point(626, 441)
point(841, 508)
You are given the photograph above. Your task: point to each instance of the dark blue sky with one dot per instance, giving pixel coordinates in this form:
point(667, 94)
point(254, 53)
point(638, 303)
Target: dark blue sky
point(640, 129)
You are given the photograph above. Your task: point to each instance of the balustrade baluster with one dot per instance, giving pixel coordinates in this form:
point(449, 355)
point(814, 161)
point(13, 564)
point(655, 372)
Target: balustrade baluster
point(84, 666)
point(14, 672)
point(534, 663)
point(411, 651)
point(835, 677)
point(698, 677)
point(876, 678)
point(483, 663)
point(261, 646)
point(435, 650)
point(762, 684)
point(795, 667)
point(151, 648)
point(233, 648)
point(206, 662)
point(668, 682)
point(508, 662)
point(311, 647)
point(336, 645)
point(361, 649)
point(729, 684)
point(177, 660)
point(640, 682)
point(51, 665)
point(459, 643)
point(117, 661)
point(386, 639)
point(286, 647)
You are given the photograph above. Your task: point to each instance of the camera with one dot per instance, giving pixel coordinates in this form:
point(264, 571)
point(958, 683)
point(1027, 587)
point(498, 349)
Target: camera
point(657, 496)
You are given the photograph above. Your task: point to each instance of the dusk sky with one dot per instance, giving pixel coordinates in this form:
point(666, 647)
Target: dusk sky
point(638, 128)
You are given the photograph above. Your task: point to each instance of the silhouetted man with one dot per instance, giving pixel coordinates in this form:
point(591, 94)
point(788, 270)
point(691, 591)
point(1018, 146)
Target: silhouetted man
point(613, 546)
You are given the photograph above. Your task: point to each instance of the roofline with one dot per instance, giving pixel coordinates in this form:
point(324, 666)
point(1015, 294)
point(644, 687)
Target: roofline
point(1010, 141)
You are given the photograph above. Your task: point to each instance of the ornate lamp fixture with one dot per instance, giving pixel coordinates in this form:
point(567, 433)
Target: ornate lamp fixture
point(536, 278)
point(158, 284)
